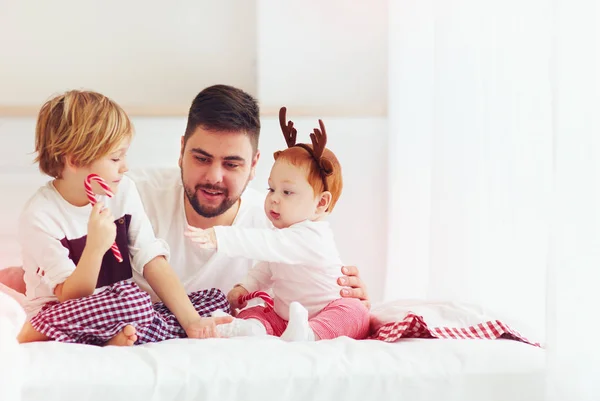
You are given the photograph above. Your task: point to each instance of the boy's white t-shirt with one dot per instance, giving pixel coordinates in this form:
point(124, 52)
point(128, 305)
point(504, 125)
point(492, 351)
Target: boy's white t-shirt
point(53, 233)
point(162, 194)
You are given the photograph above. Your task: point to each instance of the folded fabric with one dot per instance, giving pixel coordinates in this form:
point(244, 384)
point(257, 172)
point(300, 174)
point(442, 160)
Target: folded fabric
point(392, 321)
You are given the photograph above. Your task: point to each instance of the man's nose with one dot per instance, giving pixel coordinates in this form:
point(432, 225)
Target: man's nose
point(214, 174)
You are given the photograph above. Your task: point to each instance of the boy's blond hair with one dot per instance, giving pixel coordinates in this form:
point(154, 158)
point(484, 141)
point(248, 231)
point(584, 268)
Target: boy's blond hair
point(82, 125)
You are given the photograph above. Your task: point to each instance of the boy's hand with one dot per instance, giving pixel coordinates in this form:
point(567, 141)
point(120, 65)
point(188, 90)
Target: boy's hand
point(205, 239)
point(102, 229)
point(234, 297)
point(206, 327)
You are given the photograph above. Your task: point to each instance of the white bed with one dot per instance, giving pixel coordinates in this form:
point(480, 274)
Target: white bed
point(270, 369)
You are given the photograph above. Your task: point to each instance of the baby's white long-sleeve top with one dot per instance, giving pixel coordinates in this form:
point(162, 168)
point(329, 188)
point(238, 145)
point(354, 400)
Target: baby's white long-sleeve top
point(300, 263)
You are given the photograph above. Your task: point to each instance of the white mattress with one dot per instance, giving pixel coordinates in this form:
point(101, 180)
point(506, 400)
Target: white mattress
point(270, 369)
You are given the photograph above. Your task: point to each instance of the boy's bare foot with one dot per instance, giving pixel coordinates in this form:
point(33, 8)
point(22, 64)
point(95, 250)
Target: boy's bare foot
point(125, 338)
point(28, 335)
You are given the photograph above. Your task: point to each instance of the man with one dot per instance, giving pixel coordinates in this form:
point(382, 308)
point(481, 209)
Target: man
point(219, 153)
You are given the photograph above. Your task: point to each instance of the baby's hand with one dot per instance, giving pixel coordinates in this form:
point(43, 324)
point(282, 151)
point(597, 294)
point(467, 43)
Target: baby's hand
point(206, 327)
point(234, 297)
point(205, 239)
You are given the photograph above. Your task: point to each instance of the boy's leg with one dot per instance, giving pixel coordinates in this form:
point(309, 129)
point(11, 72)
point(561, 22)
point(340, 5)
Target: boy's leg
point(29, 335)
point(165, 326)
point(98, 318)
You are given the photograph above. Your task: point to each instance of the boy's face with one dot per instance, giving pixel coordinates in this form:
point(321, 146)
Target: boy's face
point(215, 169)
point(291, 199)
point(111, 167)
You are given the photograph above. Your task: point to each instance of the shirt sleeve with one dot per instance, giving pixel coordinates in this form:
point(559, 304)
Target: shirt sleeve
point(300, 244)
point(143, 244)
point(259, 278)
point(43, 252)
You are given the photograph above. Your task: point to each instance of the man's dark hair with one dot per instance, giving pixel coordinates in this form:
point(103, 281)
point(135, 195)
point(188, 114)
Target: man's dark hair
point(225, 108)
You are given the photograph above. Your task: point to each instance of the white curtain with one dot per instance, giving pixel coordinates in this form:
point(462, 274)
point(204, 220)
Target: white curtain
point(494, 172)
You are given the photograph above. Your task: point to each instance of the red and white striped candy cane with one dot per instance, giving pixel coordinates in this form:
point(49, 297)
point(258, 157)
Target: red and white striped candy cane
point(92, 198)
point(257, 294)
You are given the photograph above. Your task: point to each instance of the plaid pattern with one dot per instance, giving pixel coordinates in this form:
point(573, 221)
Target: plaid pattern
point(413, 326)
point(165, 325)
point(98, 318)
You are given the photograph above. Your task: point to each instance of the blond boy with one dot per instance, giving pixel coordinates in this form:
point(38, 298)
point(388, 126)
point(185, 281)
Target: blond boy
point(77, 291)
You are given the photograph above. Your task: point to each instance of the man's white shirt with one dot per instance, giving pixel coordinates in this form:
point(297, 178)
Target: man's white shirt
point(161, 191)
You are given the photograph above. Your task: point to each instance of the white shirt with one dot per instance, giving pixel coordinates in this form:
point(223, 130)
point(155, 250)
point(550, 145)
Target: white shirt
point(53, 232)
point(300, 263)
point(162, 194)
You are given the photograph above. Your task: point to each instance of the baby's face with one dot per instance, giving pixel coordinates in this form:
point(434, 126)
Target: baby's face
point(291, 199)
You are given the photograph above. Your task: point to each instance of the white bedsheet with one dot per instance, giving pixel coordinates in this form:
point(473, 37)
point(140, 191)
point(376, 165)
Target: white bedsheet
point(270, 369)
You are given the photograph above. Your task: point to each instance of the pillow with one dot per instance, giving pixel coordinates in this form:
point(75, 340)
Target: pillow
point(12, 359)
point(437, 314)
point(12, 318)
point(12, 277)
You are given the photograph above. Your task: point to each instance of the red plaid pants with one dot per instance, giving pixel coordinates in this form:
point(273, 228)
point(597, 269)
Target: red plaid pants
point(99, 317)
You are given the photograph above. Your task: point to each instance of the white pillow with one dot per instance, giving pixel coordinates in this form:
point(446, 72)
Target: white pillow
point(12, 318)
point(12, 358)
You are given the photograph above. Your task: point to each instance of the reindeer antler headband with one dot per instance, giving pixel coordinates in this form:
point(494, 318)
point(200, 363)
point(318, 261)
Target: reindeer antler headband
point(318, 139)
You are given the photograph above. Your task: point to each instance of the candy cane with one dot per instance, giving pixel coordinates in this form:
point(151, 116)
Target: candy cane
point(257, 294)
point(92, 198)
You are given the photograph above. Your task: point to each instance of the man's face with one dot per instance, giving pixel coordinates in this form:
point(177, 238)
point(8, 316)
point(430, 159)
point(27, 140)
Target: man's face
point(216, 167)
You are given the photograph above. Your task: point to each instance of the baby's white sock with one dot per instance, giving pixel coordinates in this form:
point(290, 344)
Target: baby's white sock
point(239, 327)
point(298, 328)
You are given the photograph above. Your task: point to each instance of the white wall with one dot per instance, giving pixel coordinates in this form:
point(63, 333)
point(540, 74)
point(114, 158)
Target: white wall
point(145, 54)
point(323, 57)
point(153, 57)
point(358, 220)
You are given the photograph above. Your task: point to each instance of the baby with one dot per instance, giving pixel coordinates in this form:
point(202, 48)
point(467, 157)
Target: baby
point(299, 260)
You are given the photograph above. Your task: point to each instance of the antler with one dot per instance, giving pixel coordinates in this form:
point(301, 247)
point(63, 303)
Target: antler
point(319, 140)
point(289, 132)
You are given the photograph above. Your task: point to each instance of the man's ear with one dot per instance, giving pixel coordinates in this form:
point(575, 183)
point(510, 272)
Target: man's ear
point(324, 202)
point(253, 165)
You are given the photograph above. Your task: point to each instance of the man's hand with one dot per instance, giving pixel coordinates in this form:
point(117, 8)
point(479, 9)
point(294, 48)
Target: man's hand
point(206, 327)
point(353, 285)
point(234, 297)
point(205, 239)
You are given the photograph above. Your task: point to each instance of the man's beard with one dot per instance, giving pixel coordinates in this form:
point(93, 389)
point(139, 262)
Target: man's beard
point(210, 211)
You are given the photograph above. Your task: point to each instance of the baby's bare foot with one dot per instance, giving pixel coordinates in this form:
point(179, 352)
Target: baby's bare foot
point(125, 338)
